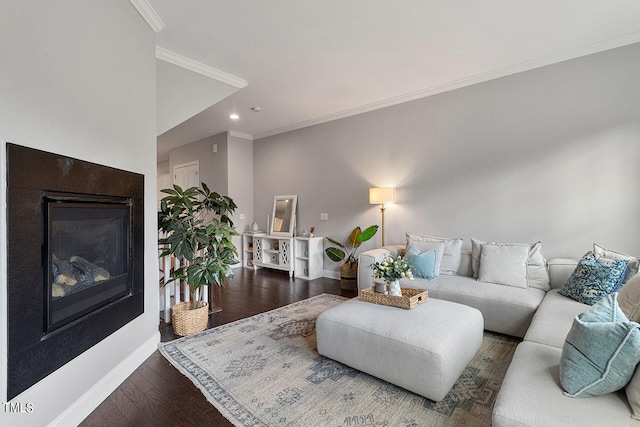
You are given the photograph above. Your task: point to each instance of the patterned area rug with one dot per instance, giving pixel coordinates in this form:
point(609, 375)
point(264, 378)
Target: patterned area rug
point(265, 371)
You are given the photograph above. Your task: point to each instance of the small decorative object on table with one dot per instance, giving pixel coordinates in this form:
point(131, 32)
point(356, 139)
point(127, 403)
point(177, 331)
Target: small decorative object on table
point(380, 286)
point(391, 270)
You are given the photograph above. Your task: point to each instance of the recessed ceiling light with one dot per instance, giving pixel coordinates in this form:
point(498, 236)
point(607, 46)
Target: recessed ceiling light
point(234, 116)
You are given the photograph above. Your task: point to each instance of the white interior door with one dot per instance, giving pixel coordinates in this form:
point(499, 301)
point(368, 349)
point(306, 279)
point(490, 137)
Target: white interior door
point(187, 175)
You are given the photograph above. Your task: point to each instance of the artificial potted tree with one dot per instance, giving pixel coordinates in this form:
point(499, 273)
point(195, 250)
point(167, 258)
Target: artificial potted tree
point(347, 255)
point(197, 230)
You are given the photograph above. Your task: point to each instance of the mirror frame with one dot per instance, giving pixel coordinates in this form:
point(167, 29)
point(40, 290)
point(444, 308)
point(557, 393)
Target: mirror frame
point(292, 223)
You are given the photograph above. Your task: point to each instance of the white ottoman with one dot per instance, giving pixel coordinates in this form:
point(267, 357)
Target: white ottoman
point(424, 349)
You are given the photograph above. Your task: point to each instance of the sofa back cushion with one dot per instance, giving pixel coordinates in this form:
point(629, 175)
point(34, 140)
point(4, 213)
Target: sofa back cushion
point(629, 298)
point(450, 262)
point(504, 264)
point(560, 269)
point(537, 275)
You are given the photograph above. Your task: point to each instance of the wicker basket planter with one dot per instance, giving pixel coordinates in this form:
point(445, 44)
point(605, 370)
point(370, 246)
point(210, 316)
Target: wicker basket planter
point(349, 276)
point(188, 322)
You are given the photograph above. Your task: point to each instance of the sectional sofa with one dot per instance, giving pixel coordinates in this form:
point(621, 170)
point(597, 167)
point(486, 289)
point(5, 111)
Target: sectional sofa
point(531, 394)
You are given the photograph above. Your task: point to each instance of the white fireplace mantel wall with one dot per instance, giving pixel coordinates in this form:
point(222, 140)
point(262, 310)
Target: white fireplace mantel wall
point(78, 78)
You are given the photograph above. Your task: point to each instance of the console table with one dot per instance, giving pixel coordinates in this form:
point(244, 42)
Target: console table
point(300, 255)
point(270, 252)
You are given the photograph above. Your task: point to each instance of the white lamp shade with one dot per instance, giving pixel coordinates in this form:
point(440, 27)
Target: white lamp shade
point(378, 195)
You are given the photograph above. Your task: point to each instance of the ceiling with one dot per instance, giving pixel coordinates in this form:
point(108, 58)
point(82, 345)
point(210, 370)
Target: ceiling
point(307, 62)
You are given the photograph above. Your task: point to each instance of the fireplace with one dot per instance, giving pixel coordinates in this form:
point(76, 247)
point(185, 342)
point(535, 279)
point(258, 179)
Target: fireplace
point(87, 251)
point(75, 259)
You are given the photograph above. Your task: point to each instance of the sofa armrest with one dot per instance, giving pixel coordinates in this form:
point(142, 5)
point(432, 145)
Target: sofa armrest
point(365, 274)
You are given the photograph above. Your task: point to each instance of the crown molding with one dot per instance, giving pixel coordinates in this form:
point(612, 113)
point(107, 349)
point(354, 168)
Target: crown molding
point(457, 84)
point(148, 14)
point(198, 67)
point(241, 135)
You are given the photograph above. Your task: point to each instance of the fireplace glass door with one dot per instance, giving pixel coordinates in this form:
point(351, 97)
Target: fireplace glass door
point(88, 248)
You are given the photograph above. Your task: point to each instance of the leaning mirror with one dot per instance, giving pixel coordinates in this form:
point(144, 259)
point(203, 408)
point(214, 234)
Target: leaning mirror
point(284, 216)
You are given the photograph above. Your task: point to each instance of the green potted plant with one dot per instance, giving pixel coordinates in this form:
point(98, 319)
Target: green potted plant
point(197, 230)
point(347, 255)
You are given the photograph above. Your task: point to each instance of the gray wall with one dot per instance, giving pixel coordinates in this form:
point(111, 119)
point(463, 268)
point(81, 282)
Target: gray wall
point(229, 171)
point(549, 154)
point(213, 166)
point(240, 161)
point(78, 78)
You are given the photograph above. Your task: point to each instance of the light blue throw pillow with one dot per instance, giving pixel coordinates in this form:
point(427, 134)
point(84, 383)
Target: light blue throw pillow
point(601, 351)
point(593, 279)
point(422, 264)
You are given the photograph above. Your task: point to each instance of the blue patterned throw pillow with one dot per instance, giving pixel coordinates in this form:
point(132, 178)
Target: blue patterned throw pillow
point(593, 279)
point(601, 351)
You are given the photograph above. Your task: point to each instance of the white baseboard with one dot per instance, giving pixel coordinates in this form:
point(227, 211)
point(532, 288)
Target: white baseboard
point(81, 409)
point(331, 274)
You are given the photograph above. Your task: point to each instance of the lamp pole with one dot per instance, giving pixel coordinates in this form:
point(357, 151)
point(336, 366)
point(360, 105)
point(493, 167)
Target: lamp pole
point(382, 208)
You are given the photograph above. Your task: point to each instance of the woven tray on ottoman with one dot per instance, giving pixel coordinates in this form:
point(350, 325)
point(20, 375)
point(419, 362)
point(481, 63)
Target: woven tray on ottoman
point(410, 297)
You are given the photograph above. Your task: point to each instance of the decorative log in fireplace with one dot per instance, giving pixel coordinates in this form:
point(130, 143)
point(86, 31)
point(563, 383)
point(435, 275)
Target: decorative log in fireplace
point(75, 259)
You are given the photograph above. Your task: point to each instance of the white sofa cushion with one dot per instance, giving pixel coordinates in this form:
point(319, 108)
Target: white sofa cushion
point(504, 264)
point(450, 262)
point(506, 309)
point(633, 394)
point(537, 273)
point(629, 298)
point(560, 269)
point(531, 395)
point(553, 319)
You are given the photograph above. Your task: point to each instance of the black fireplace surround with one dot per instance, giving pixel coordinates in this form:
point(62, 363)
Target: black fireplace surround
point(75, 259)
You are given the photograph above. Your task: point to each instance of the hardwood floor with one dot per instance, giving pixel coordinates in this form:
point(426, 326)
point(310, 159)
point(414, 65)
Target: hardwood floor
point(156, 394)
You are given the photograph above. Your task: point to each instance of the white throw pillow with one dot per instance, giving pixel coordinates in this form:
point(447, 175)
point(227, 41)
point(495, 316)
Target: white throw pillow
point(451, 257)
point(632, 267)
point(629, 298)
point(504, 264)
point(537, 273)
point(476, 249)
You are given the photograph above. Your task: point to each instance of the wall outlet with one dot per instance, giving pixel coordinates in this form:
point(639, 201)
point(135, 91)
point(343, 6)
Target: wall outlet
point(241, 216)
point(324, 217)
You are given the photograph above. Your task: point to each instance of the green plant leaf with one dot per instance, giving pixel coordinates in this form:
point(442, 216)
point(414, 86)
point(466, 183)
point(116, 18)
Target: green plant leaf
point(353, 237)
point(368, 233)
point(335, 254)
point(197, 227)
point(335, 242)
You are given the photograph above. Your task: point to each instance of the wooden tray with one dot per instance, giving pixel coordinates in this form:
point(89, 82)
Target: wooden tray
point(410, 297)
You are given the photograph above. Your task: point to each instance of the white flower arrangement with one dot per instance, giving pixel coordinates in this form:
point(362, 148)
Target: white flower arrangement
point(391, 269)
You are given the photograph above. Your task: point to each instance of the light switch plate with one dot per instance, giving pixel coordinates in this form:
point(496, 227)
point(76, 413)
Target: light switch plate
point(324, 217)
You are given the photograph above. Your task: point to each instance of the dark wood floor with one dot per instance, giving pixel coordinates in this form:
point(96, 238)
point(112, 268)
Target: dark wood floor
point(156, 394)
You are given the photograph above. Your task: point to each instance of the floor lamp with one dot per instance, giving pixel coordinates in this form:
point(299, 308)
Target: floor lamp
point(380, 196)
